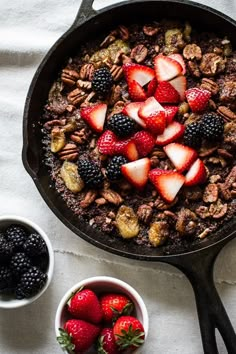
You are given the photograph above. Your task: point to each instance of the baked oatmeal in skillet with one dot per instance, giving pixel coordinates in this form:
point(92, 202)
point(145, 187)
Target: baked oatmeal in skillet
point(139, 133)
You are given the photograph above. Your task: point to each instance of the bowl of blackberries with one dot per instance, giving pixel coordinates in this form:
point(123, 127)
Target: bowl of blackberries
point(26, 261)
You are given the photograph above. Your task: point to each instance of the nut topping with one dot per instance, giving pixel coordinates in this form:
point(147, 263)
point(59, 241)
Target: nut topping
point(192, 51)
point(76, 96)
point(212, 64)
point(127, 222)
point(89, 198)
point(139, 53)
point(69, 77)
point(86, 85)
point(123, 32)
point(69, 174)
point(186, 222)
point(194, 69)
point(218, 210)
point(144, 213)
point(150, 30)
point(209, 85)
point(116, 72)
point(69, 152)
point(86, 72)
point(210, 194)
point(226, 113)
point(79, 136)
point(111, 196)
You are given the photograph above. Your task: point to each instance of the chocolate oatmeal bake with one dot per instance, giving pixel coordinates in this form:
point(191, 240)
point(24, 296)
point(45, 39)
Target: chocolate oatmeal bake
point(139, 134)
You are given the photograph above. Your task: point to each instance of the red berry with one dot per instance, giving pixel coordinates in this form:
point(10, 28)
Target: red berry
point(144, 142)
point(115, 305)
point(197, 98)
point(106, 342)
point(106, 143)
point(128, 332)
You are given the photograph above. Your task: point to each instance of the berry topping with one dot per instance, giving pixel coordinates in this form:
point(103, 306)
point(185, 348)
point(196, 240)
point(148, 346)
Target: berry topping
point(106, 143)
point(166, 93)
point(102, 81)
point(136, 172)
point(197, 98)
point(193, 135)
point(140, 73)
point(180, 155)
point(30, 283)
point(106, 342)
point(20, 263)
point(6, 279)
point(154, 115)
point(16, 235)
point(151, 87)
point(131, 110)
point(127, 148)
point(136, 91)
point(128, 332)
point(5, 250)
point(166, 68)
point(179, 58)
point(167, 183)
point(212, 126)
point(85, 306)
point(121, 125)
point(95, 116)
point(196, 174)
point(180, 85)
point(114, 168)
point(144, 142)
point(171, 133)
point(90, 173)
point(170, 113)
point(115, 305)
point(34, 245)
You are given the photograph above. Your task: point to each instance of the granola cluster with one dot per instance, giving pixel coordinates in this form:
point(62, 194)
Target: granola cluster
point(119, 209)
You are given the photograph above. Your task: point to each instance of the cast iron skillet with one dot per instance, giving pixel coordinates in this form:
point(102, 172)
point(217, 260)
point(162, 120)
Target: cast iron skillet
point(197, 263)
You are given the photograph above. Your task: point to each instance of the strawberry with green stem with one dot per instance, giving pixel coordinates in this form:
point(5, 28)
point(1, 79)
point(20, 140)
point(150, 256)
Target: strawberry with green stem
point(114, 305)
point(128, 332)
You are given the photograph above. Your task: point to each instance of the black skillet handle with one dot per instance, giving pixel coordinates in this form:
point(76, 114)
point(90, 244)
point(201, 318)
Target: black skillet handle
point(198, 267)
point(85, 12)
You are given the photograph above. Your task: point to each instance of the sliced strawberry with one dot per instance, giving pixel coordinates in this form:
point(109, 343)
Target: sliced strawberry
point(166, 68)
point(136, 91)
point(131, 110)
point(171, 133)
point(167, 183)
point(196, 174)
point(95, 116)
point(180, 85)
point(170, 113)
point(127, 148)
point(144, 142)
point(179, 58)
point(136, 172)
point(150, 106)
point(140, 73)
point(180, 155)
point(151, 88)
point(106, 143)
point(166, 93)
point(197, 98)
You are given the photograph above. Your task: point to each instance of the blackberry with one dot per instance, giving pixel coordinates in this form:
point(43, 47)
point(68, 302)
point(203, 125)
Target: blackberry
point(102, 81)
point(34, 245)
point(212, 126)
point(90, 173)
point(121, 125)
point(16, 234)
point(5, 250)
point(193, 135)
point(42, 261)
point(114, 168)
point(30, 283)
point(19, 264)
point(6, 279)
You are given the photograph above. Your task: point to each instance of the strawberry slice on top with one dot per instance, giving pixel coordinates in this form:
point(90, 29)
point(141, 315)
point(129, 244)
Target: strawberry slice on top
point(94, 116)
point(180, 85)
point(197, 98)
point(153, 115)
point(136, 172)
point(167, 183)
point(106, 143)
point(196, 174)
point(136, 91)
point(144, 142)
point(131, 110)
point(171, 133)
point(181, 156)
point(140, 73)
point(126, 148)
point(166, 68)
point(166, 93)
point(171, 112)
point(179, 58)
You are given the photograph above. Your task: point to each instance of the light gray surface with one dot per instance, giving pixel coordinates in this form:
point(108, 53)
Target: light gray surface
point(27, 30)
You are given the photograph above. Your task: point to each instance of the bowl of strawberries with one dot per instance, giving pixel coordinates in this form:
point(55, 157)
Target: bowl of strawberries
point(101, 315)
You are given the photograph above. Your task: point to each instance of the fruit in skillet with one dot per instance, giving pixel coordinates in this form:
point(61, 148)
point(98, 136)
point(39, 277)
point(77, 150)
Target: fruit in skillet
point(107, 343)
point(154, 115)
point(197, 98)
point(95, 116)
point(136, 172)
point(166, 68)
point(128, 332)
point(196, 174)
point(77, 336)
point(180, 155)
point(85, 305)
point(115, 305)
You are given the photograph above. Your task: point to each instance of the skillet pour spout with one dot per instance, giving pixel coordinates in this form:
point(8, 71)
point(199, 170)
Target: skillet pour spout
point(196, 263)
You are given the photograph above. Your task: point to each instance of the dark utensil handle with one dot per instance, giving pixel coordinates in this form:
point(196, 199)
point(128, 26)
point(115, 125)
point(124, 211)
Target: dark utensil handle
point(85, 12)
point(198, 267)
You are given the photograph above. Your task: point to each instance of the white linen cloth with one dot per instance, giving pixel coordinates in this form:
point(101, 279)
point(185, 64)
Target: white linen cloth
point(28, 28)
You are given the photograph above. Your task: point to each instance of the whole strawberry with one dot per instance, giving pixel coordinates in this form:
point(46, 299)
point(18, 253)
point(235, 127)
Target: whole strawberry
point(128, 332)
point(106, 342)
point(78, 336)
point(85, 306)
point(115, 305)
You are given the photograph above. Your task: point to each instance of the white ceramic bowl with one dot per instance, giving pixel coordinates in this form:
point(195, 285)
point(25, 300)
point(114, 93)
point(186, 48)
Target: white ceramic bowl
point(102, 284)
point(7, 220)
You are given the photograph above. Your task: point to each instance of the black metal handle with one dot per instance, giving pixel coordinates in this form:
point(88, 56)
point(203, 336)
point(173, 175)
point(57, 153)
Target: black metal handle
point(198, 267)
point(85, 11)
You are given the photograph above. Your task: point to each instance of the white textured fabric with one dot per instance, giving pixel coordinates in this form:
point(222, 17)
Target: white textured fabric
point(27, 30)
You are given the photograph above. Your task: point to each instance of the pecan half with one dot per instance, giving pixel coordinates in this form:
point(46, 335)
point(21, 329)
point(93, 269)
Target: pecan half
point(144, 213)
point(89, 198)
point(186, 222)
point(55, 122)
point(194, 69)
point(100, 201)
point(228, 92)
point(150, 30)
point(210, 194)
point(209, 85)
point(115, 95)
point(79, 136)
point(226, 113)
point(203, 212)
point(139, 53)
point(76, 96)
point(192, 51)
point(218, 210)
point(123, 32)
point(86, 85)
point(111, 196)
point(212, 64)
point(116, 72)
point(69, 152)
point(86, 72)
point(69, 77)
